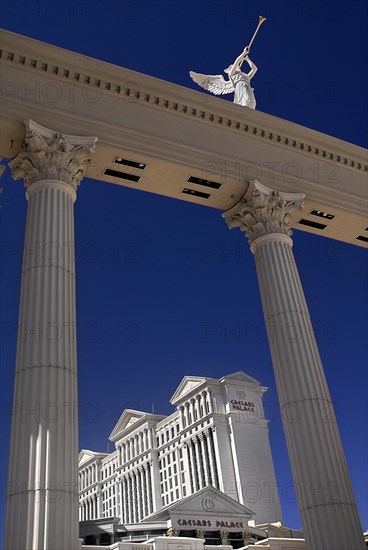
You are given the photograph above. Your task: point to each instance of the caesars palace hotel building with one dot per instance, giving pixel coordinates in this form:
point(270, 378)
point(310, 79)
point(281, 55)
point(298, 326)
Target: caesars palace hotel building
point(217, 436)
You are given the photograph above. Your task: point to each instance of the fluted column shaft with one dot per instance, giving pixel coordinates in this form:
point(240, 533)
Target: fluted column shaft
point(325, 497)
point(192, 466)
point(204, 455)
point(326, 500)
point(198, 462)
point(42, 507)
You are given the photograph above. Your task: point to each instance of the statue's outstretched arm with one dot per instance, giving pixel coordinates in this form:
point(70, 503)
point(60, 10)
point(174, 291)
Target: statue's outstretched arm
point(253, 68)
point(239, 62)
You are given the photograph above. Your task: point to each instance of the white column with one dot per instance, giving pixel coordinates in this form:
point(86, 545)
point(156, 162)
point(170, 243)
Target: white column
point(119, 499)
point(144, 495)
point(150, 485)
point(130, 499)
point(125, 501)
point(199, 405)
point(210, 464)
point(198, 465)
point(205, 464)
point(42, 507)
point(134, 497)
point(325, 497)
point(148, 488)
point(181, 416)
point(185, 417)
point(95, 506)
point(139, 494)
point(192, 410)
point(99, 502)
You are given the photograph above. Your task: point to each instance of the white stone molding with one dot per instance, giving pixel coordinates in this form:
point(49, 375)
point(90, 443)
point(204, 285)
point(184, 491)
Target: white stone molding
point(263, 210)
point(48, 155)
point(157, 99)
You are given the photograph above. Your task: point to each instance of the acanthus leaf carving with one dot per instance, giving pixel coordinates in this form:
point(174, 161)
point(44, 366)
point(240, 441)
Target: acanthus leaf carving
point(48, 155)
point(263, 211)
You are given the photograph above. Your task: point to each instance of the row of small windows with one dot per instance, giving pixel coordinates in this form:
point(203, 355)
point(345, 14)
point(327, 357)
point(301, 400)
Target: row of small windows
point(170, 433)
point(170, 457)
point(108, 470)
point(165, 474)
point(134, 446)
point(168, 499)
point(87, 476)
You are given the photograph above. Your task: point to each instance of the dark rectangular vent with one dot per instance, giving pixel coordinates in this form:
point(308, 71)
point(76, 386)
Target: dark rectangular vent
point(321, 214)
point(130, 163)
point(121, 175)
point(206, 183)
point(196, 193)
point(361, 238)
point(310, 223)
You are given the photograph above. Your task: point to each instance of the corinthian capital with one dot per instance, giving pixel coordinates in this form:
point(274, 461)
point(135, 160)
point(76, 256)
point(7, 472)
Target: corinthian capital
point(48, 155)
point(263, 211)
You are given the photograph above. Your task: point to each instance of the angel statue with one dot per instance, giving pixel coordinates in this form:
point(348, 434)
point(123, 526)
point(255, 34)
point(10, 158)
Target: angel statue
point(238, 82)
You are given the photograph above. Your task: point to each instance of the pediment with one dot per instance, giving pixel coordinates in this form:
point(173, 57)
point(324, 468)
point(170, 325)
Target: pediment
point(208, 504)
point(210, 501)
point(129, 418)
point(86, 455)
point(240, 376)
point(188, 384)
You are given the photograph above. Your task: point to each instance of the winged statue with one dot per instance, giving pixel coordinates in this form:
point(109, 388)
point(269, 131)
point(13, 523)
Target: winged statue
point(215, 84)
point(238, 82)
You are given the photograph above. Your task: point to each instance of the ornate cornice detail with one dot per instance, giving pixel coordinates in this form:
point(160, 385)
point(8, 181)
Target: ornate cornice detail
point(133, 91)
point(263, 211)
point(48, 155)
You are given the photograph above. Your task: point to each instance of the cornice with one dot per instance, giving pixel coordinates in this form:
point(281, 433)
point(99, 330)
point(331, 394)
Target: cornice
point(124, 84)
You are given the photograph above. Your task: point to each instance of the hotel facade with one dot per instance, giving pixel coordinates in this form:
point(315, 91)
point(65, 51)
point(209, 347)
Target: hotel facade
point(217, 438)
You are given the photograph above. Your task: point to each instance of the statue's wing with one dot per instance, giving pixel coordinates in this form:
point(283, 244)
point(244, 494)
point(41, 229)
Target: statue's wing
point(213, 83)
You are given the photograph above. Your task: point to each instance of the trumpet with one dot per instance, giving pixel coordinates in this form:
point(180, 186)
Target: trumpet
point(261, 20)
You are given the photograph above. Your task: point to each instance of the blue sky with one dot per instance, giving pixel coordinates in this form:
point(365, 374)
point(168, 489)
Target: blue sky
point(164, 289)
